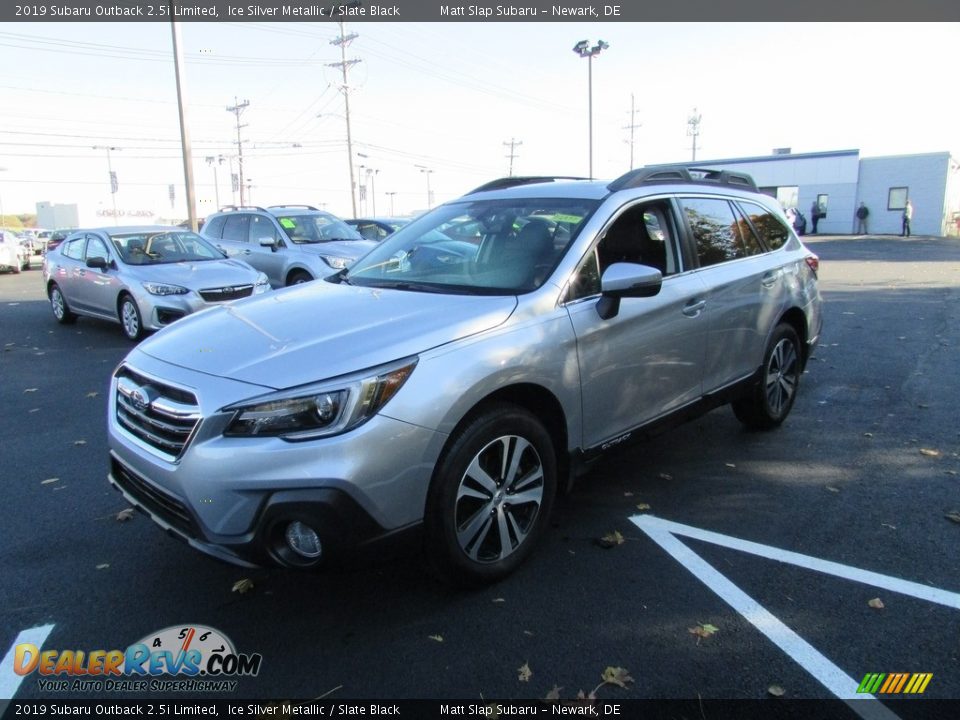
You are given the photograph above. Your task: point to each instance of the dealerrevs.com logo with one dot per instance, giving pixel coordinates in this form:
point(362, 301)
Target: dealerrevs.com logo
point(200, 659)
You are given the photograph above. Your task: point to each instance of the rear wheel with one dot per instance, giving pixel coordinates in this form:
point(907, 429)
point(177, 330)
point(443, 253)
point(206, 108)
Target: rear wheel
point(490, 497)
point(130, 318)
point(769, 402)
point(58, 303)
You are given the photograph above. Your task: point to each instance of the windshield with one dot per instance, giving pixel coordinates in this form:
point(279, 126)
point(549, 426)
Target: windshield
point(491, 247)
point(165, 246)
point(317, 227)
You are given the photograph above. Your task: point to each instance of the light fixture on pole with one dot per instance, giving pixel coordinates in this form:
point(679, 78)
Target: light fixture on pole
point(371, 176)
point(427, 171)
point(114, 184)
point(213, 162)
point(584, 50)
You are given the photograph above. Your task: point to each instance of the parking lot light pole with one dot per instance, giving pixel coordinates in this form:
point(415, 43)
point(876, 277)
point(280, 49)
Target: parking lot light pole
point(112, 179)
point(213, 162)
point(427, 171)
point(584, 50)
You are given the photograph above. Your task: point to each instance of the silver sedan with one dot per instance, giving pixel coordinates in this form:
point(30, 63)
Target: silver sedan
point(142, 277)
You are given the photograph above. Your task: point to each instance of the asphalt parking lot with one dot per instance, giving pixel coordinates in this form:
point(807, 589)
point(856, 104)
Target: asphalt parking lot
point(749, 562)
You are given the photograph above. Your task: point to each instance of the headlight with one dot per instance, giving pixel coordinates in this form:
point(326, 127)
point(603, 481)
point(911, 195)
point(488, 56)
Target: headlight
point(164, 289)
point(337, 263)
point(319, 410)
point(262, 284)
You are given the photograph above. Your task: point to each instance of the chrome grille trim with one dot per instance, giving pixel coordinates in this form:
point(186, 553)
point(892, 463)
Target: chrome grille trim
point(160, 416)
point(225, 294)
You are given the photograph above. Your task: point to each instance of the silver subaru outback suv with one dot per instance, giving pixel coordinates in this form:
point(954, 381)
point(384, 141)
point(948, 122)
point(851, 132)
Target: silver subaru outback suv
point(459, 375)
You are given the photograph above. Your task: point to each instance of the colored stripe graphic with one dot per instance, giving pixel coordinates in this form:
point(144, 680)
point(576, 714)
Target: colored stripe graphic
point(895, 683)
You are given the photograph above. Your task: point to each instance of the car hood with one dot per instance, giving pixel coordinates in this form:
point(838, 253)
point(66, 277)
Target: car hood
point(197, 275)
point(351, 249)
point(320, 330)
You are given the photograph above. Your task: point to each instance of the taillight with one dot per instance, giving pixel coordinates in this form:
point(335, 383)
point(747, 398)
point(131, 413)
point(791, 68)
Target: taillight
point(813, 262)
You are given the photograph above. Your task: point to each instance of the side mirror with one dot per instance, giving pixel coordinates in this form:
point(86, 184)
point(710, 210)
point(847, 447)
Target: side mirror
point(268, 242)
point(622, 280)
point(98, 263)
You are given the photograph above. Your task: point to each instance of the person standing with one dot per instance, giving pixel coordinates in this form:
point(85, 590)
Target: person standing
point(814, 215)
point(862, 213)
point(907, 217)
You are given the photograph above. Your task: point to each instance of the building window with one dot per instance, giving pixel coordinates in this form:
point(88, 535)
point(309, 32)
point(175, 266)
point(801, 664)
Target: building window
point(897, 198)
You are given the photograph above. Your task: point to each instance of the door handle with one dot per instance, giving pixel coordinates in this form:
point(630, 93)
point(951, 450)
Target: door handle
point(770, 279)
point(246, 252)
point(693, 308)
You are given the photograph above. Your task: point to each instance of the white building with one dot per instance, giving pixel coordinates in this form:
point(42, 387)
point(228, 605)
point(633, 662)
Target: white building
point(840, 180)
point(53, 216)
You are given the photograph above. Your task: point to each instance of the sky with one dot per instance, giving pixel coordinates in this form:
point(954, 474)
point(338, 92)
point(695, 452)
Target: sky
point(439, 103)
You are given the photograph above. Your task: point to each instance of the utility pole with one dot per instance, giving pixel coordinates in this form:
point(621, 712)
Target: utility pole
point(512, 144)
point(631, 127)
point(213, 161)
point(342, 41)
point(237, 109)
point(185, 145)
point(390, 195)
point(693, 131)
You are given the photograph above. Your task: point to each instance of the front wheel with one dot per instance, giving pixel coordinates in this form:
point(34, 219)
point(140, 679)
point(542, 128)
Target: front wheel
point(490, 497)
point(130, 318)
point(298, 278)
point(769, 402)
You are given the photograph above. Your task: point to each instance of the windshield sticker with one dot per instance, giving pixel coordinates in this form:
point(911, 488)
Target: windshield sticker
point(287, 223)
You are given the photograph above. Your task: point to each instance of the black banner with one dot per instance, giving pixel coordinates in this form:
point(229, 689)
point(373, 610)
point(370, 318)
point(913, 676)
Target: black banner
point(438, 11)
point(768, 709)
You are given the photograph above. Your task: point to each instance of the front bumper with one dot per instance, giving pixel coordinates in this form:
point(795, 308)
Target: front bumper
point(232, 498)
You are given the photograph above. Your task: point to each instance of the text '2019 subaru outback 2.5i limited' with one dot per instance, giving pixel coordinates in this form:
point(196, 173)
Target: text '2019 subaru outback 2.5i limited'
point(455, 377)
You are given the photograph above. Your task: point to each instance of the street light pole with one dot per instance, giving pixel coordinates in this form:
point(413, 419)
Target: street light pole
point(427, 171)
point(390, 195)
point(113, 183)
point(584, 50)
point(213, 162)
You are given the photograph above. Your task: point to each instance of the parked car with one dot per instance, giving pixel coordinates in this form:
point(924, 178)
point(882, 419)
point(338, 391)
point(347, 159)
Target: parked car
point(142, 277)
point(56, 237)
point(13, 255)
point(455, 389)
point(377, 228)
point(292, 244)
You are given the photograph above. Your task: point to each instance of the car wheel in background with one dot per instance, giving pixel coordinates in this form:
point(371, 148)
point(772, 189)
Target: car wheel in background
point(769, 402)
point(61, 311)
point(130, 318)
point(298, 278)
point(490, 497)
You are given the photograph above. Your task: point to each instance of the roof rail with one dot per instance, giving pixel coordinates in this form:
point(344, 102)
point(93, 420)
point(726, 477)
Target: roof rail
point(229, 208)
point(303, 207)
point(514, 181)
point(667, 174)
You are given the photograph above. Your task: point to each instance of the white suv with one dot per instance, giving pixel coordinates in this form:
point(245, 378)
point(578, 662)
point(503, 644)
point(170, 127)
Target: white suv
point(458, 375)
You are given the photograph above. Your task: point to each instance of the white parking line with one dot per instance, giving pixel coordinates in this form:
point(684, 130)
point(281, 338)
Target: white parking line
point(904, 587)
point(9, 680)
point(802, 652)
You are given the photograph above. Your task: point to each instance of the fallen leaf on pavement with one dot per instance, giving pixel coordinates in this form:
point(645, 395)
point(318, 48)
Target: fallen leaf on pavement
point(92, 394)
point(30, 390)
point(665, 476)
point(831, 488)
point(79, 442)
point(730, 465)
point(49, 480)
point(525, 673)
point(243, 586)
point(876, 604)
point(868, 434)
point(776, 690)
point(554, 694)
point(125, 515)
point(704, 630)
point(643, 506)
point(953, 515)
point(103, 566)
point(617, 676)
point(929, 453)
point(611, 540)
point(437, 638)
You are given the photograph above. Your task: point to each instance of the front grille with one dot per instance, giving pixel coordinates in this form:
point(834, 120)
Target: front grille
point(226, 293)
point(163, 504)
point(157, 414)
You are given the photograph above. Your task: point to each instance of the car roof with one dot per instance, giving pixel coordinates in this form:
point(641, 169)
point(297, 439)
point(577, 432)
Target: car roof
point(123, 229)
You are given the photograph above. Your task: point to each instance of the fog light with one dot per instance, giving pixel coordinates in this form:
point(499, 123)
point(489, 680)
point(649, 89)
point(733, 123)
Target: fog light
point(303, 540)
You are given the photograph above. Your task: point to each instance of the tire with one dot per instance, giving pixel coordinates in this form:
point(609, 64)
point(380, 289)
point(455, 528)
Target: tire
point(298, 278)
point(130, 319)
point(58, 303)
point(475, 530)
point(767, 405)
